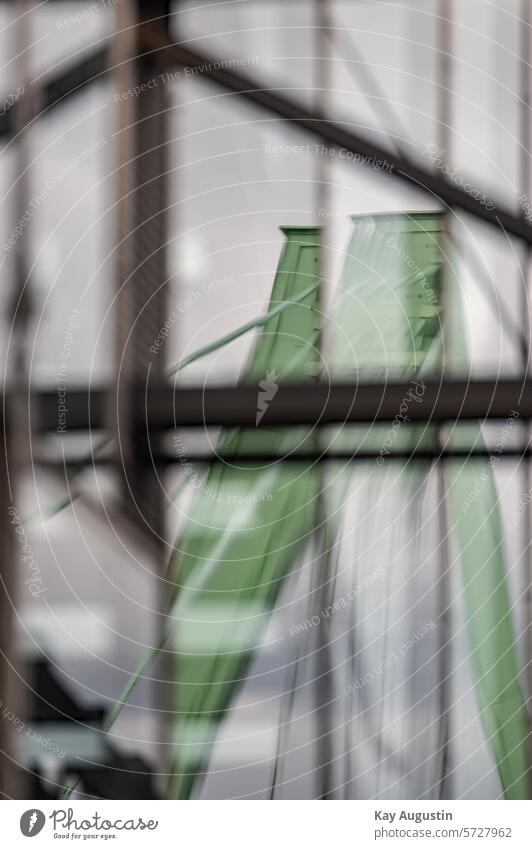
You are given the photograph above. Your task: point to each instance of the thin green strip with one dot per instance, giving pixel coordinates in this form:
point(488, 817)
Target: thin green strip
point(240, 331)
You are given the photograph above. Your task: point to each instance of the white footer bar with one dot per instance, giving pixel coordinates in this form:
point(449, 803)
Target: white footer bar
point(266, 825)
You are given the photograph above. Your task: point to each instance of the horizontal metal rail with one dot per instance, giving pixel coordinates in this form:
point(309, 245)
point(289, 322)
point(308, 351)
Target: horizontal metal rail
point(322, 404)
point(165, 408)
point(244, 459)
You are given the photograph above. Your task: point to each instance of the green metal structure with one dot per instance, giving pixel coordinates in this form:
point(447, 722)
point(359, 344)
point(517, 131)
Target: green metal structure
point(248, 526)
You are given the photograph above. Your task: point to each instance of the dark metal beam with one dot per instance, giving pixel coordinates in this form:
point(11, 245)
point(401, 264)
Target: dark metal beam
point(294, 404)
point(324, 404)
point(91, 68)
point(73, 464)
point(57, 88)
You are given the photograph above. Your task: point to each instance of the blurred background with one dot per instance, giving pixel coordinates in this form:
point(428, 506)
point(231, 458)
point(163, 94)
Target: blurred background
point(151, 153)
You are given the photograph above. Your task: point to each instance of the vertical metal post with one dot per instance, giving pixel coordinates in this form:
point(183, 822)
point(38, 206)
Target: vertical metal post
point(525, 169)
point(324, 685)
point(15, 427)
point(24, 112)
point(444, 118)
point(141, 140)
point(10, 778)
point(141, 267)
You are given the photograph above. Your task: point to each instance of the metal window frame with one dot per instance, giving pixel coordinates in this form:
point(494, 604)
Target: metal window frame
point(154, 42)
